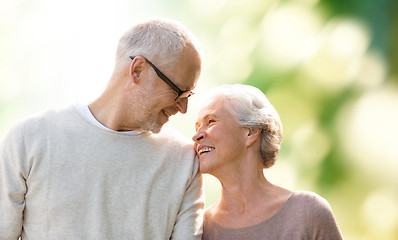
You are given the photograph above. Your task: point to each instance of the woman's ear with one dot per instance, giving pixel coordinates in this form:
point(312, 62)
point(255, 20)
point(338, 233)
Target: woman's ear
point(136, 67)
point(252, 135)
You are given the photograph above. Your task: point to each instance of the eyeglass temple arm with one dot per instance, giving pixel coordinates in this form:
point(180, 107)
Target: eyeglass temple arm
point(162, 76)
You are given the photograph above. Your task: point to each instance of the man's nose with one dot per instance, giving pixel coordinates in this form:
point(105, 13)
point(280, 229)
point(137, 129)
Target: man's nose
point(183, 106)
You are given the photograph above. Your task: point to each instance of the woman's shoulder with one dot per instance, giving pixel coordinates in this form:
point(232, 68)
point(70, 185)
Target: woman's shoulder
point(306, 194)
point(318, 214)
point(309, 198)
point(315, 206)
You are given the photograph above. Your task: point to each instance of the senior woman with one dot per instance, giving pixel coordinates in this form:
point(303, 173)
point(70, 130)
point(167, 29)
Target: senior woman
point(238, 134)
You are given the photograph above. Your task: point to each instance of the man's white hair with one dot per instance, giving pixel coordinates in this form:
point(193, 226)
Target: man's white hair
point(157, 39)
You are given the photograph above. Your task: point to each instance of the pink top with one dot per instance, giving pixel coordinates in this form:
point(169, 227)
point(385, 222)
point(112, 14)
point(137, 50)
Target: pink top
point(305, 215)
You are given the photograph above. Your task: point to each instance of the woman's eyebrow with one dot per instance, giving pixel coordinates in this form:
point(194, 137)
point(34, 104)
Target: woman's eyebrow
point(207, 116)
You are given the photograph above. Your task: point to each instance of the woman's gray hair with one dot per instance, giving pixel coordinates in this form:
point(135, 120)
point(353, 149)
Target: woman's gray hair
point(157, 39)
point(251, 108)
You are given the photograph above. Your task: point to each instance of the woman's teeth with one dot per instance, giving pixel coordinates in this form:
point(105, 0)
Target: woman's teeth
point(206, 149)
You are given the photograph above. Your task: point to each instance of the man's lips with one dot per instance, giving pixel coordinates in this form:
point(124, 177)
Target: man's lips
point(166, 113)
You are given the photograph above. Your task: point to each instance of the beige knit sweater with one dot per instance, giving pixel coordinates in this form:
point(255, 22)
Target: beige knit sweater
point(61, 177)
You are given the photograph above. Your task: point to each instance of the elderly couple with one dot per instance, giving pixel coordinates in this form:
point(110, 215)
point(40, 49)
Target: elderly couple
point(111, 170)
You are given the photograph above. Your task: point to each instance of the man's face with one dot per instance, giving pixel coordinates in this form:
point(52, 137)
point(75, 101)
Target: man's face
point(159, 99)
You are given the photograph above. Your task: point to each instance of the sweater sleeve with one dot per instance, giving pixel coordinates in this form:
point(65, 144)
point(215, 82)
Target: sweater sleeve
point(13, 174)
point(189, 221)
point(323, 224)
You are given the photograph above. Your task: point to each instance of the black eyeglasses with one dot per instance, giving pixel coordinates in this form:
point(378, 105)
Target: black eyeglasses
point(181, 95)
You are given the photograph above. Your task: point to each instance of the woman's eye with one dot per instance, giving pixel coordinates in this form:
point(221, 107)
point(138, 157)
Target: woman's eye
point(212, 121)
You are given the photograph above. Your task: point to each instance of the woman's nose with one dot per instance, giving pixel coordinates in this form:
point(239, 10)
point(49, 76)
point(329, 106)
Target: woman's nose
point(199, 135)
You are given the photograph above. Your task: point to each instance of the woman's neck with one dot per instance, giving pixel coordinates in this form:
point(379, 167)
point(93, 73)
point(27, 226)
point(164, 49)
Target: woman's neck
point(248, 200)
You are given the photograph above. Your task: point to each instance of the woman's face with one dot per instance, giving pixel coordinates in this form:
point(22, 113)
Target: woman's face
point(219, 140)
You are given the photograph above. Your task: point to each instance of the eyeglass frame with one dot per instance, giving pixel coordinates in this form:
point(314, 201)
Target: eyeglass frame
point(161, 75)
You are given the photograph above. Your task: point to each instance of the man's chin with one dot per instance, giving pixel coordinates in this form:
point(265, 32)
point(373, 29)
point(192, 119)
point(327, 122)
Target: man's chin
point(156, 131)
point(154, 127)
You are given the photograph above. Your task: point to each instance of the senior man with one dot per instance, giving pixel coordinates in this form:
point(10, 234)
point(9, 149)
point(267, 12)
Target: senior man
point(108, 170)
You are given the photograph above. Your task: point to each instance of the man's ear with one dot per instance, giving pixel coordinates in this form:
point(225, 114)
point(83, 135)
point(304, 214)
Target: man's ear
point(136, 67)
point(253, 134)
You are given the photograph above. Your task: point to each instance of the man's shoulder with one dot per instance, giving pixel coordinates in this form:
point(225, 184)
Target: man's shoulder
point(173, 136)
point(35, 125)
point(47, 114)
point(43, 118)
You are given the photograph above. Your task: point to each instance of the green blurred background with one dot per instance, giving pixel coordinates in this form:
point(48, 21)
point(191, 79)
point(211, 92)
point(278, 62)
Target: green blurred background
point(328, 66)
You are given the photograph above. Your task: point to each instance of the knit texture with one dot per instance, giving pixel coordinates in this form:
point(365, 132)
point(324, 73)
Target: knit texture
point(62, 177)
point(305, 216)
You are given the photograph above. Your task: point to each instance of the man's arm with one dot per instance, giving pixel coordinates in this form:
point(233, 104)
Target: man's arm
point(12, 184)
point(190, 217)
